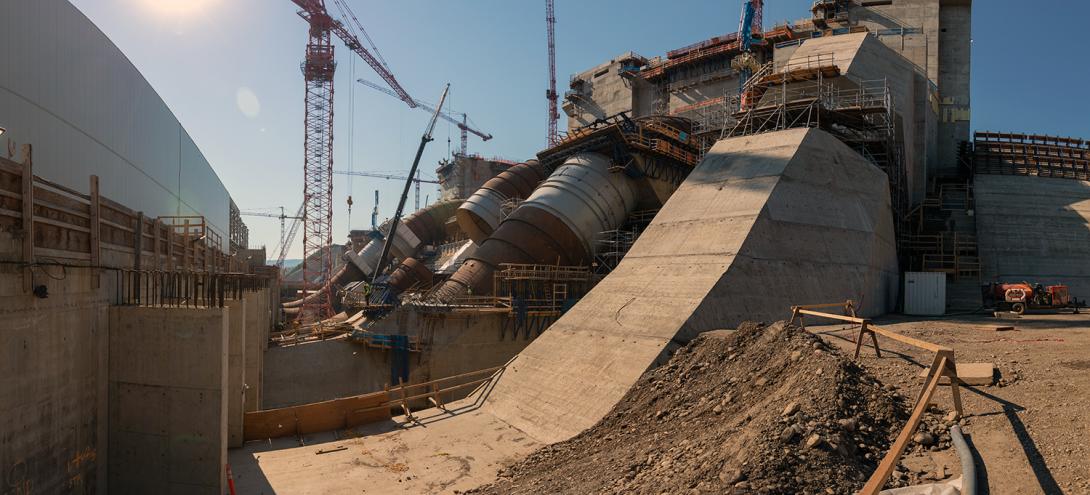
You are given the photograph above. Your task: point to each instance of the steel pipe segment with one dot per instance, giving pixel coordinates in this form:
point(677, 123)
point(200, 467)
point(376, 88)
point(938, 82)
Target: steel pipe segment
point(557, 224)
point(423, 227)
point(408, 273)
point(483, 211)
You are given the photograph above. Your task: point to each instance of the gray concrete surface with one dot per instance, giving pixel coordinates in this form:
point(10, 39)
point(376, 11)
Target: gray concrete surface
point(862, 57)
point(53, 399)
point(258, 326)
point(236, 370)
point(460, 343)
point(1035, 229)
point(168, 400)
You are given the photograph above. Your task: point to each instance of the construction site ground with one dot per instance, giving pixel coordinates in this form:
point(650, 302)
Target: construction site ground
point(1028, 428)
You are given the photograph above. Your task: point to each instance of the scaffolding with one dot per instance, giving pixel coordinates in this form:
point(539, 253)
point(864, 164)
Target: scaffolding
point(612, 245)
point(811, 93)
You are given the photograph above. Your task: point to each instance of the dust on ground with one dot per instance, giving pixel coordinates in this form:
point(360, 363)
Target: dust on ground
point(1029, 429)
point(769, 409)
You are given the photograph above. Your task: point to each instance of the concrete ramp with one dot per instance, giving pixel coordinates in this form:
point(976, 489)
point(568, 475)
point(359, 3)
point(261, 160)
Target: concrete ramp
point(764, 221)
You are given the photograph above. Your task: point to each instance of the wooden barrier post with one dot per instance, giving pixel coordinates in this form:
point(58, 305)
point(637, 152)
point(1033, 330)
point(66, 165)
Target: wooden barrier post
point(864, 330)
point(96, 231)
point(28, 218)
point(885, 468)
point(185, 246)
point(950, 370)
point(138, 242)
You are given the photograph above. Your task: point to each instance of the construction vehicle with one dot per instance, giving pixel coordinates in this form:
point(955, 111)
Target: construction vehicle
point(1019, 296)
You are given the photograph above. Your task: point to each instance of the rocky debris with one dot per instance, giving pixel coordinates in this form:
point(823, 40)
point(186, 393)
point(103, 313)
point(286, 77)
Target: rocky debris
point(748, 413)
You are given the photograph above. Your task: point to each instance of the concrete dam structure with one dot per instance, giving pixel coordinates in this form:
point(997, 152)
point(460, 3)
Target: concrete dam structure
point(823, 161)
point(757, 213)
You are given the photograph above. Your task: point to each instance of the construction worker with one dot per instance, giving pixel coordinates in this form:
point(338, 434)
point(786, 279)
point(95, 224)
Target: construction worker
point(367, 293)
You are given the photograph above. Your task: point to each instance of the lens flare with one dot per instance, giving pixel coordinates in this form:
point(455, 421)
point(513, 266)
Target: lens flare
point(177, 8)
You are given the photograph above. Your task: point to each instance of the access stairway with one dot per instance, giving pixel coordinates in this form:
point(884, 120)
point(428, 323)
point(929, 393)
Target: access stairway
point(943, 239)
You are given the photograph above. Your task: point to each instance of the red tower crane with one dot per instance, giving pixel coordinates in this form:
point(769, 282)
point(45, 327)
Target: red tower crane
point(318, 69)
point(550, 94)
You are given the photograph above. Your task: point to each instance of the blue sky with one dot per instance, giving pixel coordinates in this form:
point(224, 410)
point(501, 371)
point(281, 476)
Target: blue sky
point(229, 69)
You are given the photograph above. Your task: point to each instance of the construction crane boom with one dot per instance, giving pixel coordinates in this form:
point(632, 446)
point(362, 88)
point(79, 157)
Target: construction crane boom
point(451, 117)
point(384, 176)
point(314, 12)
point(416, 180)
point(550, 93)
point(290, 237)
point(424, 140)
point(281, 216)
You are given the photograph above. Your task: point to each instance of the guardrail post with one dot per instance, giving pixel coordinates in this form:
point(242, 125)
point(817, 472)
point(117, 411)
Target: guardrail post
point(28, 217)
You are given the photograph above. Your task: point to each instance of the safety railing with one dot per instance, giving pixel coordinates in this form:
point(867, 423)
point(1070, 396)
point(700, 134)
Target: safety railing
point(348, 412)
point(173, 289)
point(942, 365)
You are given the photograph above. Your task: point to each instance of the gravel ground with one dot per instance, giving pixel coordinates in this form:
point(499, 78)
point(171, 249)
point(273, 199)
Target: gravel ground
point(770, 409)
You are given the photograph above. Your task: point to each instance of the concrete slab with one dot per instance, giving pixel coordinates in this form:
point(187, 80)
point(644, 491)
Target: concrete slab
point(440, 454)
point(970, 374)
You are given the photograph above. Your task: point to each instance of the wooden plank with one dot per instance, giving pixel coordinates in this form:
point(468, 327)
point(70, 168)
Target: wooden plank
point(96, 226)
point(60, 224)
point(904, 339)
point(316, 417)
point(885, 468)
point(831, 316)
point(28, 216)
point(58, 253)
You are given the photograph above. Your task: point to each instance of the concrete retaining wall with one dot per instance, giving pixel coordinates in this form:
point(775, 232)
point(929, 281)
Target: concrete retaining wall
point(1035, 229)
point(330, 369)
point(168, 400)
point(52, 383)
point(258, 325)
point(236, 371)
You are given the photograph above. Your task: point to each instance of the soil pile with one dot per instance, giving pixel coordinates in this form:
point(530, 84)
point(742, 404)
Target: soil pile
point(768, 409)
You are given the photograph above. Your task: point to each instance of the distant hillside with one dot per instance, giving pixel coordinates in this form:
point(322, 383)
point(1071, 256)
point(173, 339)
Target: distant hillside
point(291, 263)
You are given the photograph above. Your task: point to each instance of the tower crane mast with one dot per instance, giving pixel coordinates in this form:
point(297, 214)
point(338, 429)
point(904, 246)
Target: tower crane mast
point(318, 68)
point(550, 93)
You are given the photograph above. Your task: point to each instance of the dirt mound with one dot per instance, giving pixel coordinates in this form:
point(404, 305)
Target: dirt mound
point(769, 409)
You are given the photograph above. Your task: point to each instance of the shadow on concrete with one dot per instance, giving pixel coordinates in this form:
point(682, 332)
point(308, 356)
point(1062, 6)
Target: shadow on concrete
point(248, 473)
point(479, 397)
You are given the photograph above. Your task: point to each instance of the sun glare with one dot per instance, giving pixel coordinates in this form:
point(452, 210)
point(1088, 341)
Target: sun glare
point(177, 8)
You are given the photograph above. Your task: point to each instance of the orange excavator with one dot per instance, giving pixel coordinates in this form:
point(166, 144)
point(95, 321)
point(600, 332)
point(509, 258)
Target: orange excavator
point(1020, 296)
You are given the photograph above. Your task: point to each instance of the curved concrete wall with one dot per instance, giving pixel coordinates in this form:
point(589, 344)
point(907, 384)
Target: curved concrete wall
point(66, 89)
